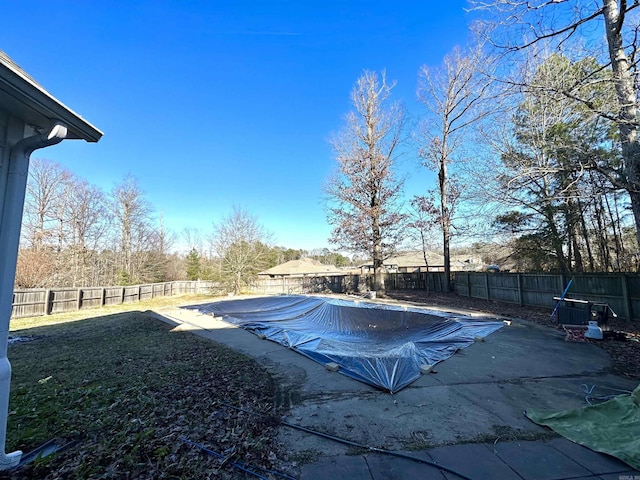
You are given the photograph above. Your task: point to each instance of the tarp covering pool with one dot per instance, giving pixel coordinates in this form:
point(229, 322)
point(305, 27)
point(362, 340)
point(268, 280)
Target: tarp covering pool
point(382, 345)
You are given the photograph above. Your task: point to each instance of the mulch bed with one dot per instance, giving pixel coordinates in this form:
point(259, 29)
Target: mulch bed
point(624, 352)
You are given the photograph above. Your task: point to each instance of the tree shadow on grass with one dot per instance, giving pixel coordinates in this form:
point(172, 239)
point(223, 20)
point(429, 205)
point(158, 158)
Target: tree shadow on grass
point(127, 388)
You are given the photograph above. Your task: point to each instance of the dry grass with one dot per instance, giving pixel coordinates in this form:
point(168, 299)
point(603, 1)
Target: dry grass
point(126, 387)
point(178, 300)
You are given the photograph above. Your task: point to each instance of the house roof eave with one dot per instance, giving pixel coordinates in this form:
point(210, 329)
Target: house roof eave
point(26, 99)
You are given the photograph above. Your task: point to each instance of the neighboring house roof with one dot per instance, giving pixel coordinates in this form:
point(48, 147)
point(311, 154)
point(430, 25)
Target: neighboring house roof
point(410, 259)
point(415, 259)
point(26, 99)
point(304, 266)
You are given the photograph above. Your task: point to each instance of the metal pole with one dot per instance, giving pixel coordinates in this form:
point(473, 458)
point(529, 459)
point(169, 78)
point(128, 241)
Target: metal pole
point(561, 299)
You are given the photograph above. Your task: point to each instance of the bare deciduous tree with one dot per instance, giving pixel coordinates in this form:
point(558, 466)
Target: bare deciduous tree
point(35, 268)
point(45, 199)
point(132, 213)
point(192, 238)
point(88, 221)
point(241, 244)
point(364, 192)
point(423, 217)
point(454, 95)
point(74, 235)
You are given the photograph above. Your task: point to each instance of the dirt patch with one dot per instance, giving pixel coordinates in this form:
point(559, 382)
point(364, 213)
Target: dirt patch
point(624, 351)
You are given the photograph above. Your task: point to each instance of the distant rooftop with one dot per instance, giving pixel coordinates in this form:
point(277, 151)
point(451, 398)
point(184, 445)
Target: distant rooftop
point(304, 266)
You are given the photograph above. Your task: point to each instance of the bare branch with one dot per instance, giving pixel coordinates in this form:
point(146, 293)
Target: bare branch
point(363, 193)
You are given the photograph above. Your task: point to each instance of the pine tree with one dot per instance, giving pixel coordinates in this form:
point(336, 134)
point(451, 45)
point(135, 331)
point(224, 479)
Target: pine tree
point(193, 265)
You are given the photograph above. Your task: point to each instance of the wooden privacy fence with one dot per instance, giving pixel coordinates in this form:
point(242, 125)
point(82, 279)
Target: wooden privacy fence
point(35, 302)
point(311, 284)
point(432, 281)
point(620, 290)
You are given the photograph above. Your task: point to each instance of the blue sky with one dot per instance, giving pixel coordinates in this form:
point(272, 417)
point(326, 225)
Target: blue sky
point(212, 104)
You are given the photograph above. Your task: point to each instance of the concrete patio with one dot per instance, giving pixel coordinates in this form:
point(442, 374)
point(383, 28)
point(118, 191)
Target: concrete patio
point(467, 415)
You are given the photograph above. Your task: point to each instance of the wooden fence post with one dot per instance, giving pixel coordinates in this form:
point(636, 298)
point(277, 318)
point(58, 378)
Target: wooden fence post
point(486, 285)
point(468, 285)
point(47, 302)
point(519, 289)
point(103, 296)
point(122, 295)
point(625, 296)
point(79, 300)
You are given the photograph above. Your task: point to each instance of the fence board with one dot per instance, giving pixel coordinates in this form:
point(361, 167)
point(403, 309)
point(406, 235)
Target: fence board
point(620, 291)
point(502, 289)
point(113, 296)
point(146, 292)
point(63, 300)
point(91, 297)
point(309, 284)
point(29, 303)
point(131, 294)
point(36, 302)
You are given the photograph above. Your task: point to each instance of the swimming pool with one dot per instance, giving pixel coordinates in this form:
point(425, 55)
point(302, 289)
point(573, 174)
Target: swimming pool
point(382, 345)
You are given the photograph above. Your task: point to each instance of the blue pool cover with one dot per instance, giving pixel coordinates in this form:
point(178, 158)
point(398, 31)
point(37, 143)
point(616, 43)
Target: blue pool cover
point(382, 345)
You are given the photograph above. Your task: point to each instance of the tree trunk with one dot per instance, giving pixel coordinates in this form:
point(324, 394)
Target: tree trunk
point(424, 250)
point(602, 235)
point(447, 258)
point(446, 223)
point(635, 208)
point(616, 232)
point(626, 93)
point(585, 236)
point(378, 263)
point(578, 265)
point(556, 240)
point(573, 215)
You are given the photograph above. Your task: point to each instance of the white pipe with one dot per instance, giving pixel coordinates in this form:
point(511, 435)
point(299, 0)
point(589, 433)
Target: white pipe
point(10, 223)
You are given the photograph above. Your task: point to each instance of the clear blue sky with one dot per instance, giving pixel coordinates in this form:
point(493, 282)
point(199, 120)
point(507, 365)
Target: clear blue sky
point(212, 104)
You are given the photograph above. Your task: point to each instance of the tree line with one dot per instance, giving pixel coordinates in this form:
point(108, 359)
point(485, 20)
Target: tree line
point(531, 133)
point(74, 234)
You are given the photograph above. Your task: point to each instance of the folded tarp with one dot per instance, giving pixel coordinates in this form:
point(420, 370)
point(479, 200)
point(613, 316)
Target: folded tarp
point(382, 345)
point(611, 427)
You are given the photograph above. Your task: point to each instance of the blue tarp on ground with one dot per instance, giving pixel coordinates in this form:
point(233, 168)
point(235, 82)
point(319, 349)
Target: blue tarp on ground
point(382, 345)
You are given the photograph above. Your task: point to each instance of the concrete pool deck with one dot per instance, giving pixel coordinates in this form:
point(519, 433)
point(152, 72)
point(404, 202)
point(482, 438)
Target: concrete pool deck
point(467, 415)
